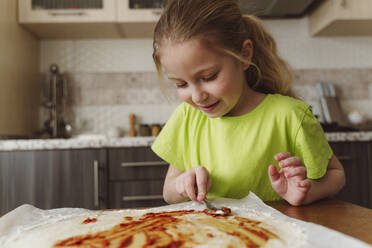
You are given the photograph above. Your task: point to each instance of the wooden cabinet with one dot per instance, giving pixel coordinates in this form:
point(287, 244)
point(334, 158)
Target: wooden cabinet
point(128, 12)
point(53, 19)
point(87, 178)
point(136, 178)
point(53, 179)
point(21, 85)
point(356, 158)
point(369, 173)
point(136, 21)
point(91, 19)
point(342, 17)
point(31, 11)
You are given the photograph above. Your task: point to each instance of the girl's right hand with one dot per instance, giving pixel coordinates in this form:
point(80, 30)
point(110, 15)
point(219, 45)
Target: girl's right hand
point(196, 178)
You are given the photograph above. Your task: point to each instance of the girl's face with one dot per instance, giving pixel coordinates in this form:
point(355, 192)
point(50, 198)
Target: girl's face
point(205, 78)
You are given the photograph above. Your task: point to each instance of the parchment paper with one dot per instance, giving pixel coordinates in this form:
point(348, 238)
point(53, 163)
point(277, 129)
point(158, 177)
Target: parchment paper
point(27, 217)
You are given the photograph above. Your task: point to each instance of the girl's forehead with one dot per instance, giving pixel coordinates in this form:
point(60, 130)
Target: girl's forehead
point(193, 47)
point(190, 49)
point(186, 59)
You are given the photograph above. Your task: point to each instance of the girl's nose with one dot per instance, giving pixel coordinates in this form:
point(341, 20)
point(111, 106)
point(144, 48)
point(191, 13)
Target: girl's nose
point(199, 96)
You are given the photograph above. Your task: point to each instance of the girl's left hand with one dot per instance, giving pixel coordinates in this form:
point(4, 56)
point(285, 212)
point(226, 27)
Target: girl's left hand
point(291, 182)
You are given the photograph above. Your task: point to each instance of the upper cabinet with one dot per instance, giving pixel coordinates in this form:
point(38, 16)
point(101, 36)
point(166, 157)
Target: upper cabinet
point(81, 19)
point(341, 17)
point(69, 19)
point(46, 11)
point(137, 18)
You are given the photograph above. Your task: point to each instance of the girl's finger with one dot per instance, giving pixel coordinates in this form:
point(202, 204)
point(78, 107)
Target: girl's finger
point(296, 171)
point(201, 182)
point(290, 161)
point(273, 173)
point(282, 155)
point(190, 187)
point(304, 184)
point(303, 189)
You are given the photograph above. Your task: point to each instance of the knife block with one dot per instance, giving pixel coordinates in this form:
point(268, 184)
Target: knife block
point(332, 110)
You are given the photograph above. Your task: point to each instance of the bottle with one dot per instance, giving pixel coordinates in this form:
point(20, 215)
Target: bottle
point(132, 123)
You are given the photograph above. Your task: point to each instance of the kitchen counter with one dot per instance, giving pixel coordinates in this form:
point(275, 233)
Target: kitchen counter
point(102, 142)
point(341, 216)
point(74, 143)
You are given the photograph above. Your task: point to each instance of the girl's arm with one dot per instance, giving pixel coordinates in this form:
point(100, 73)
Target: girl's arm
point(330, 184)
point(179, 185)
point(292, 184)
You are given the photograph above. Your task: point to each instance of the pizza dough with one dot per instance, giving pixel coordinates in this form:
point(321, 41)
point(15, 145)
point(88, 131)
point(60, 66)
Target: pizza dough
point(158, 228)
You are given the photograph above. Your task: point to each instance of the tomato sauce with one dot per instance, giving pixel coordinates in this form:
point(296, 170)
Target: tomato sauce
point(171, 229)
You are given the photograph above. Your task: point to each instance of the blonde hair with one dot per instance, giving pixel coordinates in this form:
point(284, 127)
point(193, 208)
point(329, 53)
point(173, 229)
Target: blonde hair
point(221, 24)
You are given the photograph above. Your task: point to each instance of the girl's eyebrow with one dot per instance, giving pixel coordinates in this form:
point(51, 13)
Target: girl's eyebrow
point(212, 67)
point(173, 78)
point(207, 68)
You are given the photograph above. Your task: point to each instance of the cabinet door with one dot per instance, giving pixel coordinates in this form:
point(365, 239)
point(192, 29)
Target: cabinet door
point(53, 179)
point(57, 20)
point(135, 21)
point(137, 11)
point(341, 17)
point(369, 169)
point(354, 158)
point(136, 178)
point(33, 11)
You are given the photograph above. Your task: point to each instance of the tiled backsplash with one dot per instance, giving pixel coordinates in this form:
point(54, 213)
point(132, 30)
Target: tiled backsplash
point(103, 100)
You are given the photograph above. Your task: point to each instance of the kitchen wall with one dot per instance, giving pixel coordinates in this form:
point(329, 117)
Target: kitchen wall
point(19, 75)
point(108, 79)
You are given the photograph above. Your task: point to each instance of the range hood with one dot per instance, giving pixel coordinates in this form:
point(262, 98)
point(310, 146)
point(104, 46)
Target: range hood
point(277, 8)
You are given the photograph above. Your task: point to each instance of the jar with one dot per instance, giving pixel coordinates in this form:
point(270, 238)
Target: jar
point(144, 130)
point(155, 129)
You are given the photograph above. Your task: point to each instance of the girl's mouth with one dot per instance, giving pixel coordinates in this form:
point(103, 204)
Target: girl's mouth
point(209, 108)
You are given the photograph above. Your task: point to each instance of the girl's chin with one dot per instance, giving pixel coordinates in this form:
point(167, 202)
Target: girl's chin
point(212, 115)
point(216, 114)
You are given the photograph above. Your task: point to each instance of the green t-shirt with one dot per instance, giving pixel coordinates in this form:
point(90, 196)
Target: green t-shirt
point(237, 150)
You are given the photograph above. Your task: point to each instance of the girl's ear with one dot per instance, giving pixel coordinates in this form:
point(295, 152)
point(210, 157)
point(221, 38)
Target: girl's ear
point(247, 53)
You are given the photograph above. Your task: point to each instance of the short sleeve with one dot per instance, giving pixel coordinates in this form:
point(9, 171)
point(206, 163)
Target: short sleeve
point(312, 146)
point(170, 142)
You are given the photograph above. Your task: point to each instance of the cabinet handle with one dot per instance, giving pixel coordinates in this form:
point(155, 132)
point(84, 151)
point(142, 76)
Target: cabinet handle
point(80, 13)
point(95, 182)
point(139, 164)
point(345, 157)
point(142, 198)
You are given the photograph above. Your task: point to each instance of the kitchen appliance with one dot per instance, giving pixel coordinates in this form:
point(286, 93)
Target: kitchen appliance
point(56, 93)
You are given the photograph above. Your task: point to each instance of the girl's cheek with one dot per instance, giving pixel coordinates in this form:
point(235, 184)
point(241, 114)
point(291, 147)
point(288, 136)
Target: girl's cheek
point(224, 87)
point(182, 94)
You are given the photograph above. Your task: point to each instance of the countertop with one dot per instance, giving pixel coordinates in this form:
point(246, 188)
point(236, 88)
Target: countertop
point(103, 142)
point(341, 216)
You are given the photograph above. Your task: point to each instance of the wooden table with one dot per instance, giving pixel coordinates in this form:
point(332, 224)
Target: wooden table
point(344, 217)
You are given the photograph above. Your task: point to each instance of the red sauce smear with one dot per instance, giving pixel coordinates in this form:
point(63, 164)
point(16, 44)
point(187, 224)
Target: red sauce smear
point(128, 218)
point(89, 220)
point(160, 230)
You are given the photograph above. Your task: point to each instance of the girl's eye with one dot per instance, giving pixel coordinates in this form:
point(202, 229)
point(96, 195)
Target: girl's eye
point(181, 85)
point(213, 77)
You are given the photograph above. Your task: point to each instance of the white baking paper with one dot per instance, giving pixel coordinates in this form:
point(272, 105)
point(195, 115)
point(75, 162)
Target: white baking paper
point(298, 233)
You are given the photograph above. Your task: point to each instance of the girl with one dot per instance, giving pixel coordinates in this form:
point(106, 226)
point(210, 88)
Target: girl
point(238, 117)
